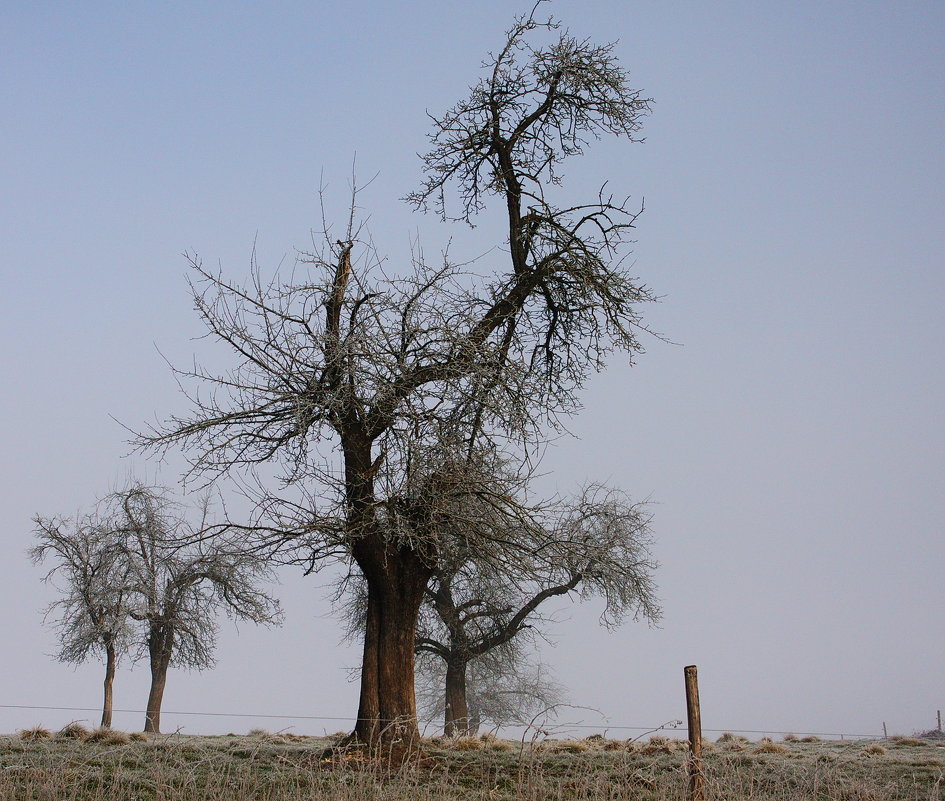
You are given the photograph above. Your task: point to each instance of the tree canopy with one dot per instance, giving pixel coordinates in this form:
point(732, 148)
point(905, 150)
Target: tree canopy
point(391, 403)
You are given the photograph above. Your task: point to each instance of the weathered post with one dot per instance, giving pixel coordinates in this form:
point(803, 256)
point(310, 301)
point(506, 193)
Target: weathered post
point(696, 778)
point(940, 720)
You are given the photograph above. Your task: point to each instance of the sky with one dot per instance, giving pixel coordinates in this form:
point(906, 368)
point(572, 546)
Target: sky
point(786, 429)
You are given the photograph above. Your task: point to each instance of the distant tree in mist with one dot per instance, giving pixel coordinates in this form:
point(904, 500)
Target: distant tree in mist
point(477, 609)
point(507, 686)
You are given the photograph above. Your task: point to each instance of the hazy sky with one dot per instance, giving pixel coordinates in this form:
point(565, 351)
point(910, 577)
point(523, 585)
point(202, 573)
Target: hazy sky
point(791, 442)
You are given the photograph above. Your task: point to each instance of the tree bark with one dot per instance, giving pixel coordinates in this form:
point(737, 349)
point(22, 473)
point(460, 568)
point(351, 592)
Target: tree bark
point(456, 719)
point(396, 579)
point(160, 647)
point(110, 660)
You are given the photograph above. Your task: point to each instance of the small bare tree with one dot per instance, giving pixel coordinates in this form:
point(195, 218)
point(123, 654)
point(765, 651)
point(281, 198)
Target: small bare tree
point(92, 616)
point(175, 590)
point(368, 391)
point(596, 546)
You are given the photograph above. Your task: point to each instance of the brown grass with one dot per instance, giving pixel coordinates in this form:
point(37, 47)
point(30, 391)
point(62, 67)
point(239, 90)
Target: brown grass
point(180, 768)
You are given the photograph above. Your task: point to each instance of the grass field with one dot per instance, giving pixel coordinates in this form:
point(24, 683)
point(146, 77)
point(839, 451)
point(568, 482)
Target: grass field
point(276, 767)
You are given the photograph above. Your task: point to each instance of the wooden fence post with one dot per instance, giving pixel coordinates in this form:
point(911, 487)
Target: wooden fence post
point(696, 778)
point(940, 720)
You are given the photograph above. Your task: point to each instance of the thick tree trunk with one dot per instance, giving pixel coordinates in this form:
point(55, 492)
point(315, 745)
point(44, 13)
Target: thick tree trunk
point(396, 579)
point(110, 660)
point(456, 719)
point(160, 647)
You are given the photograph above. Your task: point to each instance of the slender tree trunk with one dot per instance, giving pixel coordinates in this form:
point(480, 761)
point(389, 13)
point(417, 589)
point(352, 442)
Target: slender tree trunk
point(396, 579)
point(475, 718)
point(456, 719)
point(160, 647)
point(110, 661)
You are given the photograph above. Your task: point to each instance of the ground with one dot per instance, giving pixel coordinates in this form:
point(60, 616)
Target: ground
point(289, 768)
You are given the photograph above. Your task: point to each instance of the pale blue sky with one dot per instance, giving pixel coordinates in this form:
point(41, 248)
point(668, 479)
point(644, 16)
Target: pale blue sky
point(792, 442)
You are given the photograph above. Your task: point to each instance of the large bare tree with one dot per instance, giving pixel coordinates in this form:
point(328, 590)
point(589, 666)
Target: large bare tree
point(92, 616)
point(176, 590)
point(369, 390)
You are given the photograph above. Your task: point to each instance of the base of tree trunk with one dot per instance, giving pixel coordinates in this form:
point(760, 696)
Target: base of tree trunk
point(394, 752)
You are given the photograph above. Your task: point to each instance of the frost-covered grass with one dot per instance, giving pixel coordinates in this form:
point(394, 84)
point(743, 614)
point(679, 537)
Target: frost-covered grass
point(280, 767)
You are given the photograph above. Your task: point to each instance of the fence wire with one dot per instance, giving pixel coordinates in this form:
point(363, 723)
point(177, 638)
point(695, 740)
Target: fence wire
point(669, 726)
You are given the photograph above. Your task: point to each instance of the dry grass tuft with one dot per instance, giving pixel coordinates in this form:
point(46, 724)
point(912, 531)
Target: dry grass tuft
point(874, 749)
point(614, 745)
point(728, 737)
point(790, 737)
point(104, 736)
point(257, 733)
point(770, 747)
point(35, 734)
point(466, 744)
point(72, 731)
point(661, 745)
point(500, 745)
point(138, 737)
point(570, 747)
point(810, 738)
point(908, 741)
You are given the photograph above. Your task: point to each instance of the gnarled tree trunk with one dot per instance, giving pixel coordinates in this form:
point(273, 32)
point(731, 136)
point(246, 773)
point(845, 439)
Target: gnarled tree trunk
point(110, 661)
point(396, 580)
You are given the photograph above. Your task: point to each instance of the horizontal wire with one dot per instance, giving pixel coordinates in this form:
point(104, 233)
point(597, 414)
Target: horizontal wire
point(663, 727)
